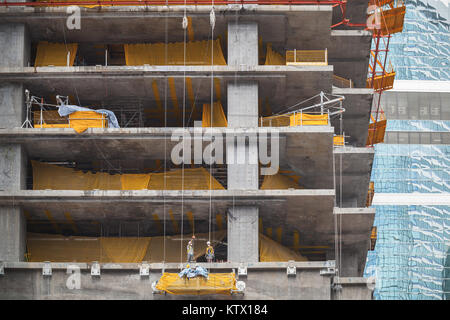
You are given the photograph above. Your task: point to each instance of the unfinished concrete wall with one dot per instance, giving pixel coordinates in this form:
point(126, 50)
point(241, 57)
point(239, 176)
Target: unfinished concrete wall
point(14, 52)
point(127, 284)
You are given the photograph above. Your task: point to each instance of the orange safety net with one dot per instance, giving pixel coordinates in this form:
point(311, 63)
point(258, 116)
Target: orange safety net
point(273, 57)
point(376, 132)
point(216, 283)
point(382, 82)
point(218, 116)
point(55, 54)
point(48, 176)
point(272, 251)
point(59, 248)
point(197, 53)
point(278, 181)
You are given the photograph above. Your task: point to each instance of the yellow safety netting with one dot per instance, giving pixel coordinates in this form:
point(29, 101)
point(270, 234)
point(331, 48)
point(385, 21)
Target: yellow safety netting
point(80, 121)
point(194, 179)
point(218, 116)
point(270, 251)
point(278, 181)
point(216, 283)
point(273, 57)
point(197, 53)
point(47, 176)
point(58, 248)
point(55, 54)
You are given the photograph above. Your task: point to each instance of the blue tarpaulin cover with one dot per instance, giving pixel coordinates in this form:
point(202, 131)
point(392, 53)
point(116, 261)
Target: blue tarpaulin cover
point(65, 110)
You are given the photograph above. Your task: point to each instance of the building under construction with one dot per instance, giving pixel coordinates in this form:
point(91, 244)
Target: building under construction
point(128, 128)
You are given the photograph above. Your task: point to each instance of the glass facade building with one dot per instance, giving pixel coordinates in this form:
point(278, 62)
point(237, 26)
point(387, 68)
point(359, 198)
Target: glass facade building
point(411, 259)
point(422, 50)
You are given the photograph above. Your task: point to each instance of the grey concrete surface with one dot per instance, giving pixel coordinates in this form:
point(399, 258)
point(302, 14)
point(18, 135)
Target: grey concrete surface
point(12, 234)
point(356, 167)
point(243, 234)
point(355, 120)
point(117, 282)
point(13, 167)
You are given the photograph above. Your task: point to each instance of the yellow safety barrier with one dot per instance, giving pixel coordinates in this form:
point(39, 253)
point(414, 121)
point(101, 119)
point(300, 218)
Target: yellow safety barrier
point(306, 119)
point(80, 121)
point(47, 176)
point(295, 119)
point(338, 140)
point(278, 181)
point(273, 57)
point(216, 283)
point(197, 53)
point(55, 54)
point(307, 57)
point(218, 116)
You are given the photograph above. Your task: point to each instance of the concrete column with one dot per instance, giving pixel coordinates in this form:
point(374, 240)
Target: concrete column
point(242, 151)
point(12, 234)
point(243, 234)
point(242, 44)
point(14, 53)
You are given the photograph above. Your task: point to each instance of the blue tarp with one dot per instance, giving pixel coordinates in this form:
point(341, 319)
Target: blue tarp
point(65, 110)
point(191, 273)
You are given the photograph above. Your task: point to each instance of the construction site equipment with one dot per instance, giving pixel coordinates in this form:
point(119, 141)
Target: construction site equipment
point(80, 121)
point(273, 57)
point(216, 283)
point(48, 176)
point(307, 57)
point(322, 108)
point(197, 53)
point(384, 79)
point(55, 54)
point(217, 118)
point(377, 128)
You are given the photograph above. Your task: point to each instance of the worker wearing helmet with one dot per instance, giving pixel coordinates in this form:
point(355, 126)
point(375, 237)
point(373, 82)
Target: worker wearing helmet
point(209, 252)
point(190, 250)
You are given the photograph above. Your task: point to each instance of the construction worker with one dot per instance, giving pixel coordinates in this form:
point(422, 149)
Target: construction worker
point(209, 252)
point(190, 250)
